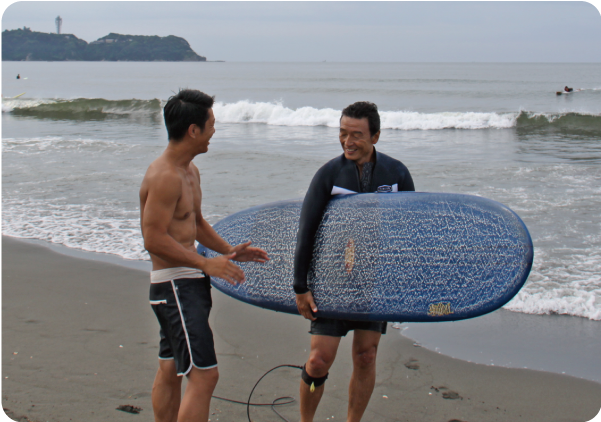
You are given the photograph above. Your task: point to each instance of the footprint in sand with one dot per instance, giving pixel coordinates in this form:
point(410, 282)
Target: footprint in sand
point(412, 364)
point(446, 393)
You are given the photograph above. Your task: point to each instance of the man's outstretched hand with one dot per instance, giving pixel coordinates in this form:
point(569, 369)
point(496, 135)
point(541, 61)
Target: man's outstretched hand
point(306, 305)
point(223, 267)
point(245, 253)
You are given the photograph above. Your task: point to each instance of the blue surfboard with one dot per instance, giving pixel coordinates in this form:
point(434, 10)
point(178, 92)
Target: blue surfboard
point(387, 256)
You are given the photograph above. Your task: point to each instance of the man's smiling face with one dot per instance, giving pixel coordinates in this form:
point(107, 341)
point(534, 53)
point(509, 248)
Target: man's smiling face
point(357, 143)
point(204, 136)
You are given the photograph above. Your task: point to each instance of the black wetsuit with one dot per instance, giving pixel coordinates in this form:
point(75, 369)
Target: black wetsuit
point(341, 176)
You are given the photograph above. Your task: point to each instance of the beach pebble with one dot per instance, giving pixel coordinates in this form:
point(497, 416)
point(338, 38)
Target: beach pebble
point(451, 395)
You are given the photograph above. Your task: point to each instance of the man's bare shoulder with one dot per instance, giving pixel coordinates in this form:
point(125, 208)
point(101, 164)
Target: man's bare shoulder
point(194, 169)
point(161, 174)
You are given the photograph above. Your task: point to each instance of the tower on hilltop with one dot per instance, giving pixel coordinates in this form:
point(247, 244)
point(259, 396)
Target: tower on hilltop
point(59, 22)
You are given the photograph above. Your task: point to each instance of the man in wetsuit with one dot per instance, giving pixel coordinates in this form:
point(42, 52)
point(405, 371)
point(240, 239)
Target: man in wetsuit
point(359, 169)
point(180, 296)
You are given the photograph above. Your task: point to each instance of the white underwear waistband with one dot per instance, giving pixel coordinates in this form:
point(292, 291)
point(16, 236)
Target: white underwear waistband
point(168, 274)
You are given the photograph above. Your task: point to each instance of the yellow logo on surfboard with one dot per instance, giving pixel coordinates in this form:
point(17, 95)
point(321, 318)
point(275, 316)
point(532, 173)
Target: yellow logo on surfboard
point(440, 309)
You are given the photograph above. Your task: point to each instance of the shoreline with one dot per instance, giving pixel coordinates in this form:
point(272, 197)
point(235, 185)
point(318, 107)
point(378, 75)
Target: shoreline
point(551, 343)
point(86, 342)
point(554, 343)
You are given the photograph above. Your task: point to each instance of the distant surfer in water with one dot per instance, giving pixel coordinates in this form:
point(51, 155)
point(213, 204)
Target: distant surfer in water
point(19, 76)
point(171, 220)
point(359, 169)
point(566, 89)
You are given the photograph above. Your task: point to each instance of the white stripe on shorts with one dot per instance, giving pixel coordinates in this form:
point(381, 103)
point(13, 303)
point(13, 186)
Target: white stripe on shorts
point(181, 317)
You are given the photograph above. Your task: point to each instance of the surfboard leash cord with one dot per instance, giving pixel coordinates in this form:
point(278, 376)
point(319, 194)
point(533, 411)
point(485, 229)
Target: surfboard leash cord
point(273, 404)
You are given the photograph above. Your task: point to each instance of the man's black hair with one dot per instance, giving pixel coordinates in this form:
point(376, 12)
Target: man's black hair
point(187, 107)
point(364, 109)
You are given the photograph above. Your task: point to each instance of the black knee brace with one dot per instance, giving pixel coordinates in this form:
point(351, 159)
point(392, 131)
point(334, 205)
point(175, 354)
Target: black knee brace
point(312, 381)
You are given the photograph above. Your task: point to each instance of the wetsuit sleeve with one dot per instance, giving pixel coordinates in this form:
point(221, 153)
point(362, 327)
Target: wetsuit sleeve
point(314, 205)
point(406, 185)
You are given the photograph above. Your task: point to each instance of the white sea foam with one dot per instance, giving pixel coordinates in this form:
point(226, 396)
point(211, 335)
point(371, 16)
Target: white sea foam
point(32, 146)
point(86, 227)
point(275, 114)
point(404, 120)
point(579, 293)
point(8, 104)
point(278, 115)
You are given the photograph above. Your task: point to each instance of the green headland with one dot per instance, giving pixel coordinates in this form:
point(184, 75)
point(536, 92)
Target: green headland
point(27, 45)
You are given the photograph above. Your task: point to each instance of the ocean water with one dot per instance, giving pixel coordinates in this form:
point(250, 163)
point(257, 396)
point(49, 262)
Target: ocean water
point(76, 145)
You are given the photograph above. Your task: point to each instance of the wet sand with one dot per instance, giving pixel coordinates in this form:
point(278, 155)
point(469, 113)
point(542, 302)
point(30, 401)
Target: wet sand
point(79, 339)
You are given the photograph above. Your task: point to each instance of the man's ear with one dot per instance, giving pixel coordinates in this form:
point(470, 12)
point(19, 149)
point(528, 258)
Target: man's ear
point(375, 138)
point(194, 130)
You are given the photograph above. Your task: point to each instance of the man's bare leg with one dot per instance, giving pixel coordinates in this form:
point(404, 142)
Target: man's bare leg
point(166, 392)
point(323, 353)
point(197, 398)
point(365, 348)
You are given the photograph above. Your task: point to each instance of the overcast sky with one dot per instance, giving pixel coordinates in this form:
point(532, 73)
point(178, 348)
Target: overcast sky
point(339, 31)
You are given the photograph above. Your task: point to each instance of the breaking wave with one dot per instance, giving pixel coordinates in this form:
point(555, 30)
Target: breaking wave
point(276, 114)
point(83, 108)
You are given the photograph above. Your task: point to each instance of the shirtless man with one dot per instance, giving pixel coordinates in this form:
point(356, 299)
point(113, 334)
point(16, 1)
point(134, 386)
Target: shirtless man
point(180, 296)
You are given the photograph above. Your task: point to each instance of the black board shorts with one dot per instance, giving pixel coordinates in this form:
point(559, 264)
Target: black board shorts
point(341, 327)
point(182, 307)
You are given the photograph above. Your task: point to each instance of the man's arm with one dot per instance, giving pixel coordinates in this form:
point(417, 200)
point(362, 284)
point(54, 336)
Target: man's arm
point(407, 183)
point(315, 202)
point(209, 238)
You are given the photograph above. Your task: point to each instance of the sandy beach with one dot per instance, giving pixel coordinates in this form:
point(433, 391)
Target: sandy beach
point(79, 339)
